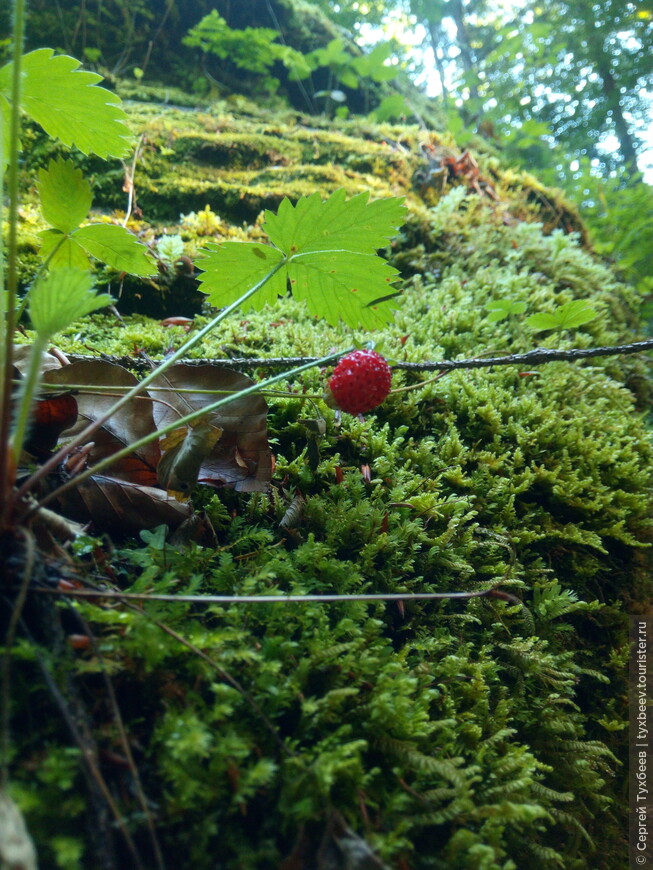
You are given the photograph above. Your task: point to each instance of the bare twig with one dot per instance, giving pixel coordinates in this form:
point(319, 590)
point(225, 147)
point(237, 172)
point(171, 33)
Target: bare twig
point(128, 185)
point(493, 592)
point(537, 356)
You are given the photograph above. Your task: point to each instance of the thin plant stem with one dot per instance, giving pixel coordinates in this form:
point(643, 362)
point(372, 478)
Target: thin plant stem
point(417, 386)
point(25, 397)
point(10, 636)
point(92, 389)
point(282, 598)
point(6, 352)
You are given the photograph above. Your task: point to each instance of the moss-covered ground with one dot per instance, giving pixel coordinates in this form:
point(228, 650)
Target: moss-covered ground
point(450, 736)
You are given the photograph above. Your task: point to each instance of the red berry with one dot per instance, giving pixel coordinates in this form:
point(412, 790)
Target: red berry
point(360, 381)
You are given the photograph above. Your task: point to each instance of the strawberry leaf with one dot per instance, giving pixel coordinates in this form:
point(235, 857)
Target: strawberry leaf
point(329, 249)
point(62, 297)
point(67, 103)
point(65, 195)
point(337, 224)
point(567, 316)
point(63, 251)
point(232, 268)
point(116, 247)
point(347, 288)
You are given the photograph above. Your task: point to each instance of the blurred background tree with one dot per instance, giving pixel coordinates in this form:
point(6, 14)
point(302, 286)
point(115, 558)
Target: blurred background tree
point(563, 88)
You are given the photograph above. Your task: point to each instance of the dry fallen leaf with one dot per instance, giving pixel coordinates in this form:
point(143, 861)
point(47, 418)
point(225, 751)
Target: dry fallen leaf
point(241, 457)
point(132, 422)
point(122, 508)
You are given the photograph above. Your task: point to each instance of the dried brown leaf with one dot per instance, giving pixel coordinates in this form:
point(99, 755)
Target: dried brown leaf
point(119, 507)
point(241, 457)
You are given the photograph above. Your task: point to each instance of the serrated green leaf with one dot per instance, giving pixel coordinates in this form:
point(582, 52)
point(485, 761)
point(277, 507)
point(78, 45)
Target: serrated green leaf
point(331, 262)
point(230, 269)
point(68, 254)
point(497, 315)
point(116, 247)
point(170, 248)
point(65, 195)
point(342, 286)
point(335, 224)
point(542, 321)
point(69, 106)
point(567, 316)
point(62, 297)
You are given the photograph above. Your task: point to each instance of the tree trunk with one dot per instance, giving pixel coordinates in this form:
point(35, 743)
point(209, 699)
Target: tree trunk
point(435, 36)
point(466, 53)
point(610, 86)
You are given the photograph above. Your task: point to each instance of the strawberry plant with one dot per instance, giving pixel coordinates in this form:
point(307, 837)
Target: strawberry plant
point(324, 251)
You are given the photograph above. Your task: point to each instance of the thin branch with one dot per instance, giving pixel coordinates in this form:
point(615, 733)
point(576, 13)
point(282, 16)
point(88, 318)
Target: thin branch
point(493, 592)
point(537, 356)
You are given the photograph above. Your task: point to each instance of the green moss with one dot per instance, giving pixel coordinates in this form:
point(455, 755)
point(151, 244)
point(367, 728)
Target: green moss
point(449, 735)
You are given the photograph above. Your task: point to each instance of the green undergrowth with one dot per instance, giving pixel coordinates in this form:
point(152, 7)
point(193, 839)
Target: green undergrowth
point(450, 735)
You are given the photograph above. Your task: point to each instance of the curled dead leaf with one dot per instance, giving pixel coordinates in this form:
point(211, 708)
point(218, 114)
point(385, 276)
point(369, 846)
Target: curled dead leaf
point(241, 457)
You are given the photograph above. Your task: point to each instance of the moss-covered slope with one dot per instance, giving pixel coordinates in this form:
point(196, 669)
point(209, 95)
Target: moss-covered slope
point(465, 736)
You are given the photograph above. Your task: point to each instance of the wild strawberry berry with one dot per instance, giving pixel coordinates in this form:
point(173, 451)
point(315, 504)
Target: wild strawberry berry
point(359, 382)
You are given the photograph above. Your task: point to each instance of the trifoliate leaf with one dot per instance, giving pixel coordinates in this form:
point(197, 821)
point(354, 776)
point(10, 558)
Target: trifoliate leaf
point(233, 268)
point(63, 251)
point(69, 106)
point(567, 316)
point(353, 225)
point(116, 247)
point(65, 195)
point(62, 297)
point(329, 250)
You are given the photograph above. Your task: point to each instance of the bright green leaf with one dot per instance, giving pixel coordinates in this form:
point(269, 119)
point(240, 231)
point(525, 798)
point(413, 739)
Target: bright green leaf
point(116, 247)
point(170, 248)
point(230, 269)
point(64, 252)
point(330, 249)
point(62, 297)
point(65, 195)
point(347, 77)
point(501, 308)
point(567, 316)
point(337, 285)
point(69, 106)
point(336, 224)
point(393, 106)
